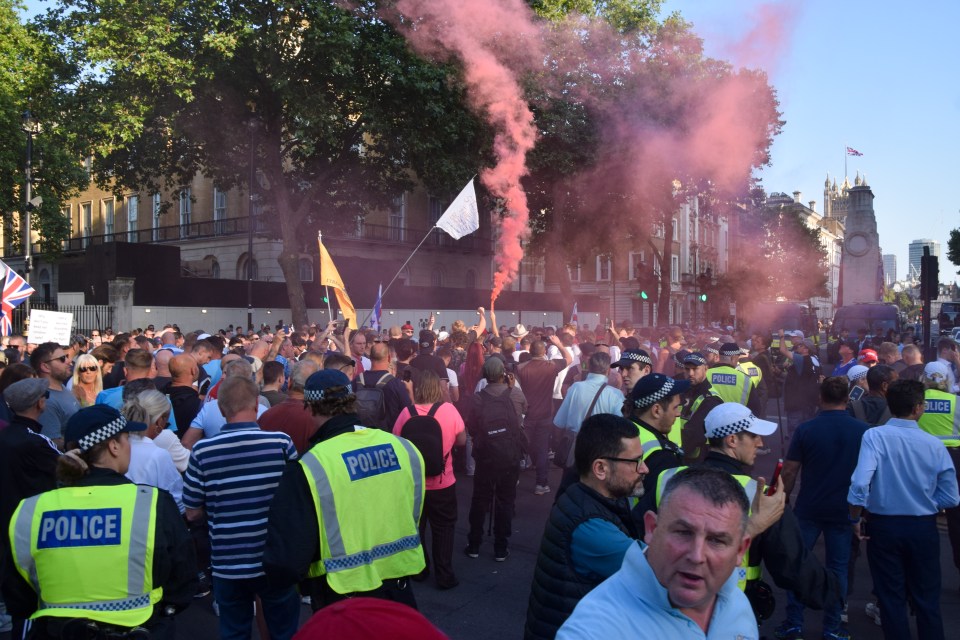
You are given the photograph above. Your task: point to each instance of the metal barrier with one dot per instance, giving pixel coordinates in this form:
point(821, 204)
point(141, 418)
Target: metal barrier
point(86, 317)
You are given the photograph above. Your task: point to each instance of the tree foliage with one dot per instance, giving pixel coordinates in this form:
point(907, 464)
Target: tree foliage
point(953, 248)
point(792, 258)
point(28, 68)
point(336, 107)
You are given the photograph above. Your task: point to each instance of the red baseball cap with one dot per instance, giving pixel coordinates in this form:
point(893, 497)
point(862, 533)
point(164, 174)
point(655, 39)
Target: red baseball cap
point(868, 355)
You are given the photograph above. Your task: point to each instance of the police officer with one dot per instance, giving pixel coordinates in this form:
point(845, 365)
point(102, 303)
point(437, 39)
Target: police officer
point(345, 517)
point(62, 540)
point(655, 404)
point(698, 401)
point(732, 384)
point(941, 419)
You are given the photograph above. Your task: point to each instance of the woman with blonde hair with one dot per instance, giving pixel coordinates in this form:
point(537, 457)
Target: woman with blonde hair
point(149, 463)
point(87, 379)
point(153, 409)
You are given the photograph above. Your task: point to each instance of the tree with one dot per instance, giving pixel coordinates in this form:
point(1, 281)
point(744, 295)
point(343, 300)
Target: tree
point(792, 258)
point(628, 132)
point(337, 109)
point(953, 248)
point(28, 65)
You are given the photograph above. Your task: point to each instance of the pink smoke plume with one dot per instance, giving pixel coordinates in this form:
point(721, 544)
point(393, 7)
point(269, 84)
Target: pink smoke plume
point(767, 38)
point(491, 39)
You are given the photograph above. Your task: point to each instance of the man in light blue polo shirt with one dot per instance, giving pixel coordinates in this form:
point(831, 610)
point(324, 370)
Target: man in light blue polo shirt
point(904, 477)
point(682, 585)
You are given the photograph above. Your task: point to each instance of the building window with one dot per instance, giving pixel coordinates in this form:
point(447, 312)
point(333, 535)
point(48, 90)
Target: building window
point(574, 270)
point(68, 216)
point(133, 212)
point(436, 277)
point(397, 221)
point(219, 211)
point(435, 208)
point(603, 268)
point(109, 219)
point(306, 270)
point(676, 231)
point(215, 269)
point(637, 263)
point(674, 268)
point(246, 268)
point(155, 223)
point(470, 279)
point(184, 213)
point(86, 213)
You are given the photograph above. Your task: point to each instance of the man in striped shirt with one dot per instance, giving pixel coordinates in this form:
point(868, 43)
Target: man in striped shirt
point(232, 477)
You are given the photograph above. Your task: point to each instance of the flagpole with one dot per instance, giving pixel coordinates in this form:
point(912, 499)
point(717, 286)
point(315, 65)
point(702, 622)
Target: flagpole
point(400, 270)
point(844, 162)
point(326, 289)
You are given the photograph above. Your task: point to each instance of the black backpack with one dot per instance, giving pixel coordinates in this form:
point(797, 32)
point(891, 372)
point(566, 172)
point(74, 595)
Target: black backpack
point(499, 434)
point(427, 436)
point(370, 405)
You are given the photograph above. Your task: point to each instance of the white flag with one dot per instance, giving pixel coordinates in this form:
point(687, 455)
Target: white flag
point(461, 217)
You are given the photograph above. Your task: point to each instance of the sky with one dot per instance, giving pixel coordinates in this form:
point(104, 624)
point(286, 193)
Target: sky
point(880, 77)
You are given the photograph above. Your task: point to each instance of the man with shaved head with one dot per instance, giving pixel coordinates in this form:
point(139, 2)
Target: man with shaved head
point(378, 376)
point(183, 395)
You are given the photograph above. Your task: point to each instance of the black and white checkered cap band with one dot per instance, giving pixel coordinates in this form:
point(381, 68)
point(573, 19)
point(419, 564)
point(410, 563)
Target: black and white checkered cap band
point(711, 348)
point(730, 352)
point(656, 396)
point(637, 357)
point(313, 395)
point(734, 427)
point(859, 375)
point(105, 432)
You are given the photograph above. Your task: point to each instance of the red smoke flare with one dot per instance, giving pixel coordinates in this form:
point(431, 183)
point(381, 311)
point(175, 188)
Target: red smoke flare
point(489, 37)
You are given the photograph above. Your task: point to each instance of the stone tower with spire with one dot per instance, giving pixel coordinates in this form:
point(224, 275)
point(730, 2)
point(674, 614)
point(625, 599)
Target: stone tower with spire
point(861, 272)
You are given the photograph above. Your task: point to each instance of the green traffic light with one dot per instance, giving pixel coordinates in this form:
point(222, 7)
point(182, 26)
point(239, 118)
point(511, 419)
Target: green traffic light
point(644, 295)
point(703, 297)
point(326, 300)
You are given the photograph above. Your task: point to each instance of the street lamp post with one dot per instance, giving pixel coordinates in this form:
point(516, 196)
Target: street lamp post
point(30, 127)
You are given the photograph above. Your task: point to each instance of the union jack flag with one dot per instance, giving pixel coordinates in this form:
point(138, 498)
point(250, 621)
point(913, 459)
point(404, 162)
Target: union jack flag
point(853, 152)
point(15, 291)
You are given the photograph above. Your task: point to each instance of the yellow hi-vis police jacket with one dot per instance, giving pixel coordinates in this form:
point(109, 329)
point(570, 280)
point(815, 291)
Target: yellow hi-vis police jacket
point(752, 370)
point(730, 384)
point(940, 417)
point(367, 488)
point(88, 552)
point(745, 571)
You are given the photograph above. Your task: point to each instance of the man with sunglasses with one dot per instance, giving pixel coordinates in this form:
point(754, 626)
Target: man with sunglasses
point(53, 364)
point(590, 526)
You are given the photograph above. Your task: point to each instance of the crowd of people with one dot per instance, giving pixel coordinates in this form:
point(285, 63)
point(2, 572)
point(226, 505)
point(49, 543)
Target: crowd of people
point(279, 467)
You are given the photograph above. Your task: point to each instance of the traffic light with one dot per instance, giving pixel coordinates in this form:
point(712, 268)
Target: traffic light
point(326, 300)
point(703, 297)
point(929, 277)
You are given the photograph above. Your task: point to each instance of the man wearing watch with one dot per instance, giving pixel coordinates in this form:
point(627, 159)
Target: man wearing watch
point(904, 477)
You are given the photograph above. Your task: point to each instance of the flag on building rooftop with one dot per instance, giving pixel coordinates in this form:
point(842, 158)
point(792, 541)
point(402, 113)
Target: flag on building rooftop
point(15, 291)
point(853, 152)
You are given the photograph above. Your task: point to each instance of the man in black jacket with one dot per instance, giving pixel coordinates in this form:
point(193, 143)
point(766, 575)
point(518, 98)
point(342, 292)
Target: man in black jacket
point(590, 526)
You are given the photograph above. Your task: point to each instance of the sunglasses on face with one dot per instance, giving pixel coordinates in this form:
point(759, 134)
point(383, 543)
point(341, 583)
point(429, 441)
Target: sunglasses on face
point(62, 358)
point(87, 369)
